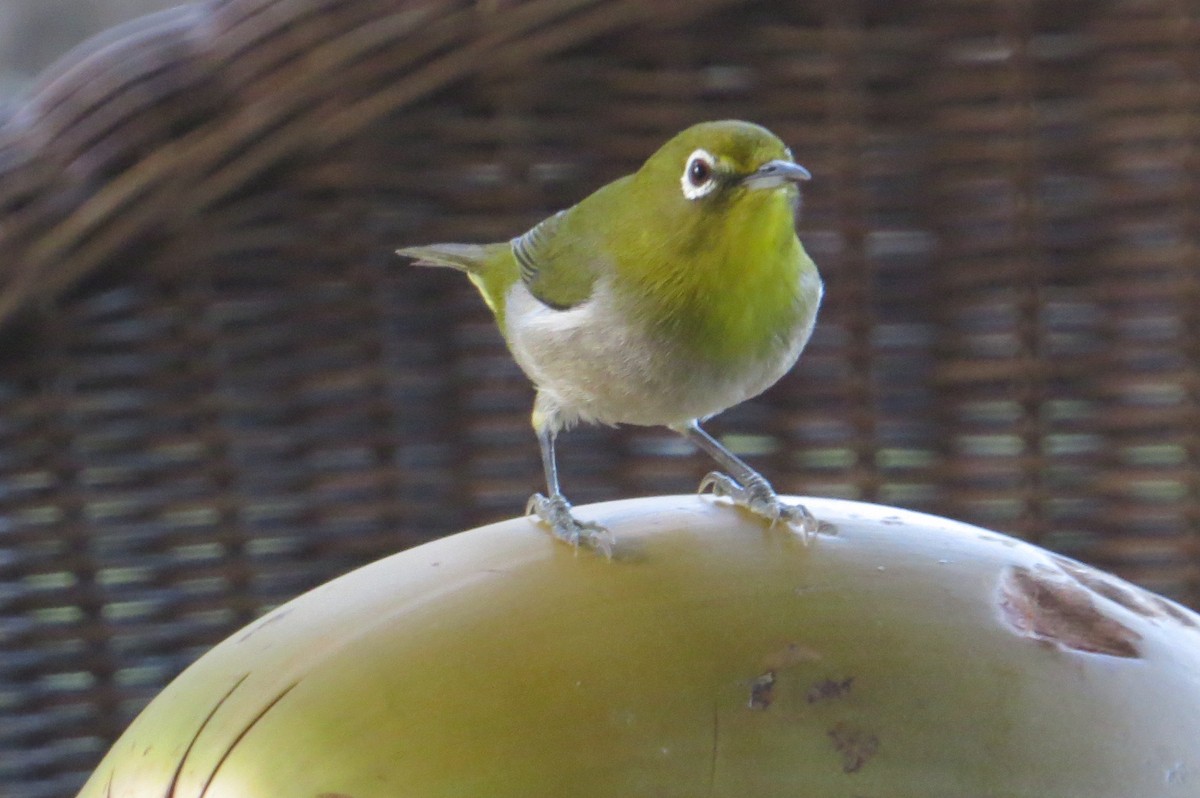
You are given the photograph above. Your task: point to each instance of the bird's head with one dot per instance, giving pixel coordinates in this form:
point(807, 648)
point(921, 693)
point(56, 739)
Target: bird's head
point(716, 167)
point(713, 206)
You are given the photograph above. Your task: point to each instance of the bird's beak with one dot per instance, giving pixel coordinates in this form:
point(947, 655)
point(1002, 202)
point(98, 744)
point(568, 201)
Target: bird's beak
point(776, 173)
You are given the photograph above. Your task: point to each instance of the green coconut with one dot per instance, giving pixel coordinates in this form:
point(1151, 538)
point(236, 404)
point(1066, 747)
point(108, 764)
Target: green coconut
point(899, 656)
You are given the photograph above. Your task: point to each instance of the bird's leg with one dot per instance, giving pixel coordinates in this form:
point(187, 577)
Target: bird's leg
point(554, 510)
point(745, 486)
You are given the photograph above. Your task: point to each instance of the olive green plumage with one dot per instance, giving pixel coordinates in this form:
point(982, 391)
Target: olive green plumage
point(664, 297)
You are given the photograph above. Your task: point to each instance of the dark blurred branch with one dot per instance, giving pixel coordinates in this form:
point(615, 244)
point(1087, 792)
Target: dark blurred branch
point(153, 128)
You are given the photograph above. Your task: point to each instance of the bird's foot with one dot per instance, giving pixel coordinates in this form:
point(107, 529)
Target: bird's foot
point(555, 512)
point(760, 498)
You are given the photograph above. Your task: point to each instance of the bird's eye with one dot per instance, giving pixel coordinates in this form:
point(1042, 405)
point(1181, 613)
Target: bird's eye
point(698, 175)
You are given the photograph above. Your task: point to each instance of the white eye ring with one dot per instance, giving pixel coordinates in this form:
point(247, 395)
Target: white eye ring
point(699, 175)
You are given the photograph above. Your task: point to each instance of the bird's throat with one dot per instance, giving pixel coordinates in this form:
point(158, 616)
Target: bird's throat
point(739, 295)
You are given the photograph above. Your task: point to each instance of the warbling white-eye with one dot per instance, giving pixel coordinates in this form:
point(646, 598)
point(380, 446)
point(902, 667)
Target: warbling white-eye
point(663, 298)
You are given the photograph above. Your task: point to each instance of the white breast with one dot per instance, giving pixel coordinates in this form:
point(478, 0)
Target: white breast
point(593, 363)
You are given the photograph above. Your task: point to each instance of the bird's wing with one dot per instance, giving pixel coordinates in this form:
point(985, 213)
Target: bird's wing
point(555, 263)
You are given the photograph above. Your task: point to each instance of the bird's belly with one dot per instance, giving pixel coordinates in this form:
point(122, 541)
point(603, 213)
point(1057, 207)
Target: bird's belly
point(589, 364)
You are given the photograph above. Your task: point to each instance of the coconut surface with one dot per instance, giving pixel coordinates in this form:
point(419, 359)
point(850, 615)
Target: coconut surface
point(900, 656)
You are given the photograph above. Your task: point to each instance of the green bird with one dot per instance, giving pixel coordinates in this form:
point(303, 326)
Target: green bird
point(664, 298)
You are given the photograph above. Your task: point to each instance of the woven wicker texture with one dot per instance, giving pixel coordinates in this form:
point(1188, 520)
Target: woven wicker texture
point(219, 388)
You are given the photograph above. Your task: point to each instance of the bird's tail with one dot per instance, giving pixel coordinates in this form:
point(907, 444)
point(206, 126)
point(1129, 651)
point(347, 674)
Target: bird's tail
point(491, 267)
point(469, 258)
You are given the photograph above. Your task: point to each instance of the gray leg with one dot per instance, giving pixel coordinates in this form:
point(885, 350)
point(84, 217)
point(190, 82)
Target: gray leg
point(744, 485)
point(554, 510)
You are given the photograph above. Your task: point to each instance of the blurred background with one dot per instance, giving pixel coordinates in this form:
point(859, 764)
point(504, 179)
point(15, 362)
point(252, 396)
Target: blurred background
point(35, 33)
point(219, 388)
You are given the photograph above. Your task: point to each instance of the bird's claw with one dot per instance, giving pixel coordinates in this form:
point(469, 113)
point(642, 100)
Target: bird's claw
point(555, 512)
point(760, 498)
